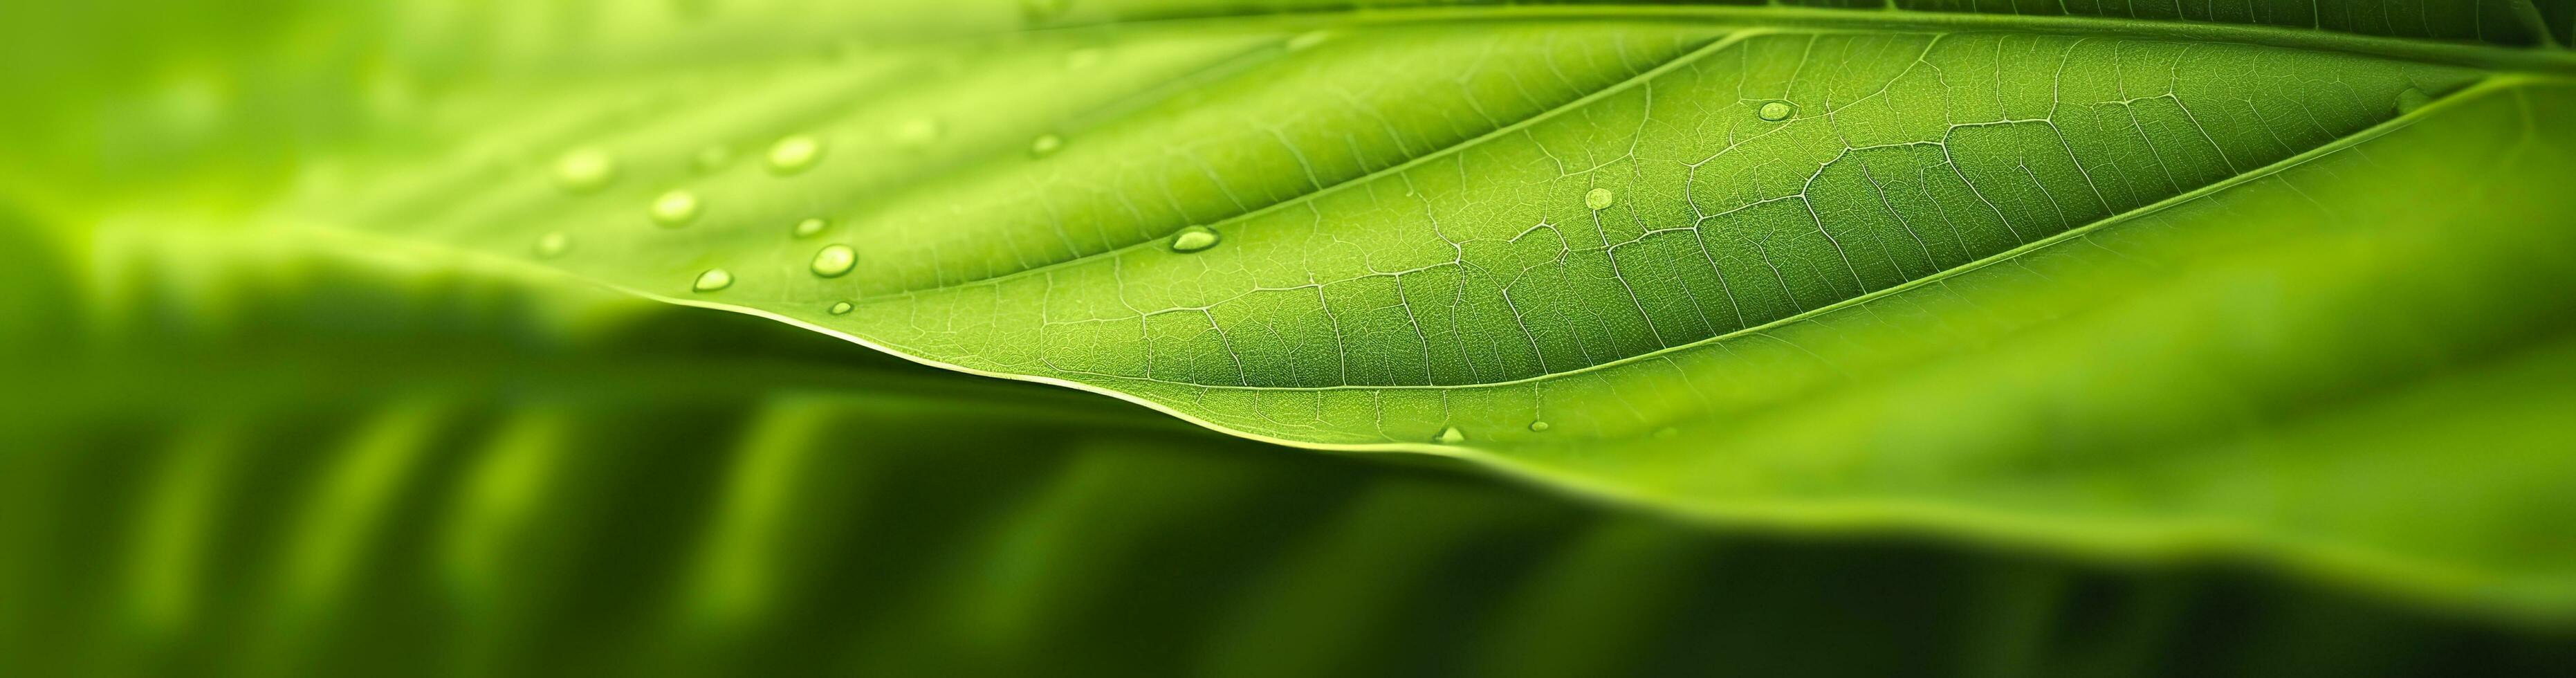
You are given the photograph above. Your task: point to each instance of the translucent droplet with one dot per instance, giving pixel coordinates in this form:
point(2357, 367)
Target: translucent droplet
point(917, 132)
point(841, 308)
point(1775, 110)
point(675, 209)
point(1193, 239)
point(585, 170)
point(834, 261)
point(810, 226)
point(712, 280)
point(1045, 144)
point(794, 154)
point(1450, 436)
point(553, 244)
point(1599, 199)
point(2411, 99)
point(1537, 426)
point(1308, 39)
point(712, 158)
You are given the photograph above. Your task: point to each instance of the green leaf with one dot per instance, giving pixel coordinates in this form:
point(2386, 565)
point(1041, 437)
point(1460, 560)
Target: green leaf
point(2109, 286)
point(264, 461)
point(2504, 22)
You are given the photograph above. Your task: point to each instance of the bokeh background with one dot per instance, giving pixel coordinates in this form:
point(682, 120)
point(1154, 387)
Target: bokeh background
point(227, 453)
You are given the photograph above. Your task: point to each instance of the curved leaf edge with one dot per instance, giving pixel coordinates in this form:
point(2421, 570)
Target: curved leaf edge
point(2103, 540)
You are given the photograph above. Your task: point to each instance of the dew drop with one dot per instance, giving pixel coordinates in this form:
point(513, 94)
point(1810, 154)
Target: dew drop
point(834, 261)
point(1599, 199)
point(675, 209)
point(1450, 436)
point(553, 244)
point(841, 308)
point(1537, 426)
point(2411, 99)
point(712, 158)
point(1045, 144)
point(1775, 110)
point(712, 280)
point(585, 170)
point(810, 226)
point(794, 154)
point(1193, 239)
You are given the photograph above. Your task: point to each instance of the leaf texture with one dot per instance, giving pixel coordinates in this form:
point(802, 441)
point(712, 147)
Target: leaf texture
point(2083, 283)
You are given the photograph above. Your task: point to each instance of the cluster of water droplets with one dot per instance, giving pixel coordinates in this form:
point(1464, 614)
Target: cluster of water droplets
point(1452, 435)
point(588, 170)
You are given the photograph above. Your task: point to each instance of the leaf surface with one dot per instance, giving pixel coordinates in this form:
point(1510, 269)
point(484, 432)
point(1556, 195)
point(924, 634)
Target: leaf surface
point(2088, 283)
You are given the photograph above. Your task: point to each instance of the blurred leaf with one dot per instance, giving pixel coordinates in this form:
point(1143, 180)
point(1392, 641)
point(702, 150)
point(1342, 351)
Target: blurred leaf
point(272, 463)
point(2091, 284)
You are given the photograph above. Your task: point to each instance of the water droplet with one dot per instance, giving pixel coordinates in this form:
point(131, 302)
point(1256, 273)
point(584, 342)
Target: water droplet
point(1537, 426)
point(917, 132)
point(1599, 199)
point(794, 154)
point(1045, 144)
point(1775, 110)
point(841, 308)
point(675, 209)
point(811, 226)
point(834, 261)
point(1449, 436)
point(1308, 39)
point(585, 170)
point(553, 244)
point(1193, 239)
point(712, 280)
point(2411, 99)
point(712, 158)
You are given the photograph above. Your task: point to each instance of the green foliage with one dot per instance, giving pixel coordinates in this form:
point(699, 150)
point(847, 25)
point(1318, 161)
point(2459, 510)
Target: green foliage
point(2109, 290)
point(1994, 338)
point(279, 462)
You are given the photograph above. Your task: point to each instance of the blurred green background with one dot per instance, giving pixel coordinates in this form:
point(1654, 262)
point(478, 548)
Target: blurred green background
point(224, 453)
